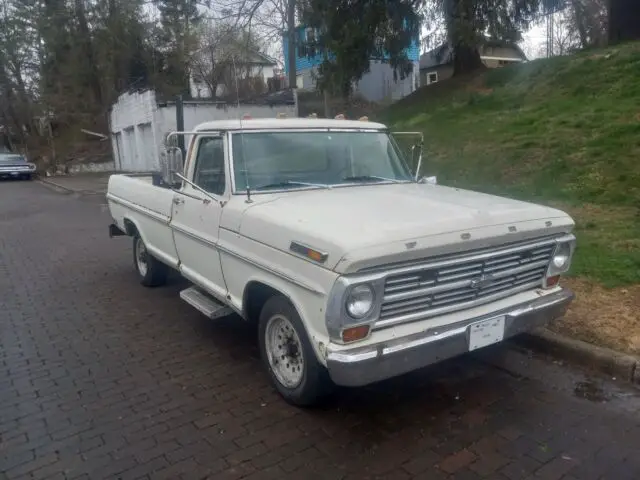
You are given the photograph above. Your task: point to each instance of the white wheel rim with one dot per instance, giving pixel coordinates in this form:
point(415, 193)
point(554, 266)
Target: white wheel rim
point(141, 257)
point(284, 351)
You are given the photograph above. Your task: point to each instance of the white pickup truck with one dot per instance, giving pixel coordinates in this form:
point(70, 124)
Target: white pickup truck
point(353, 269)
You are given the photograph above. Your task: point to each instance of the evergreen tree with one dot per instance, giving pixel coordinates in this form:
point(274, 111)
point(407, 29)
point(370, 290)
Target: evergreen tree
point(348, 34)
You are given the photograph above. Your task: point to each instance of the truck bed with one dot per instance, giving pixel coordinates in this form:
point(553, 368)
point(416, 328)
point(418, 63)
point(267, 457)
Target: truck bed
point(135, 202)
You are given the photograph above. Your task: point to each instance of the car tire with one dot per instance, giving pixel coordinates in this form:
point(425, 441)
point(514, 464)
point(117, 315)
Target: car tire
point(288, 356)
point(151, 271)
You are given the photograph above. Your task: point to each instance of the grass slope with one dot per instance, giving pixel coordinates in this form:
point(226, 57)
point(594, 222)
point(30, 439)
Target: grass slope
point(562, 131)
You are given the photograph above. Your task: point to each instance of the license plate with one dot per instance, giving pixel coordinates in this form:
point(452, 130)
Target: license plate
point(486, 332)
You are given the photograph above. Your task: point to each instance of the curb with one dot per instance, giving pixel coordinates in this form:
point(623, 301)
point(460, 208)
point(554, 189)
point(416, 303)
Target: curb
point(55, 185)
point(603, 359)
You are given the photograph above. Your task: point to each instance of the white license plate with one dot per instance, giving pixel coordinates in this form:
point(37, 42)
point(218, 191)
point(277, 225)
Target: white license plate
point(486, 332)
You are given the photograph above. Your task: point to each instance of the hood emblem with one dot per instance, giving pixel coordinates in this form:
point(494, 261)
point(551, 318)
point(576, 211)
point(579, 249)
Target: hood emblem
point(481, 281)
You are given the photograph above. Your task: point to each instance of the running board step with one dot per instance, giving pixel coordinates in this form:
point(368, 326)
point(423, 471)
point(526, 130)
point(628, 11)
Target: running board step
point(204, 302)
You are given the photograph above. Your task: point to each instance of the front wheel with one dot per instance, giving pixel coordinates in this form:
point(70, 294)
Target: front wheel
point(152, 272)
point(288, 355)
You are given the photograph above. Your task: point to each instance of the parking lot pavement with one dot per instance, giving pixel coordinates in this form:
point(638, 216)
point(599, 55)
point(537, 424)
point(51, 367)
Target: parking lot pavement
point(102, 378)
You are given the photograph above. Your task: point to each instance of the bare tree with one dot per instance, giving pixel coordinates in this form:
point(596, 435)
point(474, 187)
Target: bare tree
point(565, 38)
point(271, 20)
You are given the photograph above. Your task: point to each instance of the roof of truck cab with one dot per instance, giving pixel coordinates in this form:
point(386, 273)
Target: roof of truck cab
point(287, 123)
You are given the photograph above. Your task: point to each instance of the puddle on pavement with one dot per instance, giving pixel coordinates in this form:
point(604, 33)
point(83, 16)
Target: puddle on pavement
point(590, 390)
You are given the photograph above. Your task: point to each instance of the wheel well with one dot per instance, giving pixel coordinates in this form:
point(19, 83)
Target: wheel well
point(256, 295)
point(130, 227)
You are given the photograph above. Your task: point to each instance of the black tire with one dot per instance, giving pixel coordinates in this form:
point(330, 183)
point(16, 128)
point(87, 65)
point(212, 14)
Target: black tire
point(155, 273)
point(315, 385)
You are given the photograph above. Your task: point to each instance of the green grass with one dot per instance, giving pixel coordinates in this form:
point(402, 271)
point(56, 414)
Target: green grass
point(564, 130)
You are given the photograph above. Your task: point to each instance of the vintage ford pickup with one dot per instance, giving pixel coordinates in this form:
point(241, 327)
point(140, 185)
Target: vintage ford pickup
point(353, 268)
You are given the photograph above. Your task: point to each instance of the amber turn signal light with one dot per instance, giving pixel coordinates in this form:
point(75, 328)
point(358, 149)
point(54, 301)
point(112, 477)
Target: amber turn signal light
point(552, 281)
point(353, 334)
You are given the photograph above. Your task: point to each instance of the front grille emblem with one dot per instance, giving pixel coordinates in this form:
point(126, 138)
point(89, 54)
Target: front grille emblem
point(481, 282)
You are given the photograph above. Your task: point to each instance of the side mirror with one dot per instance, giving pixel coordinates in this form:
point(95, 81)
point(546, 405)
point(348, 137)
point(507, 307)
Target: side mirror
point(172, 164)
point(429, 180)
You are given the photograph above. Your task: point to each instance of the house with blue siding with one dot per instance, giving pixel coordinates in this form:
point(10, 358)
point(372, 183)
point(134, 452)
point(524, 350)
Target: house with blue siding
point(377, 85)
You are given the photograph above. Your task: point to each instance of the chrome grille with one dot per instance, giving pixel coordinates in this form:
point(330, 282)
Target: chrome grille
point(463, 281)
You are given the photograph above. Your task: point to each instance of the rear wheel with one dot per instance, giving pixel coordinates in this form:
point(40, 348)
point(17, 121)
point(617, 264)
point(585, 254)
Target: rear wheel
point(288, 356)
point(152, 272)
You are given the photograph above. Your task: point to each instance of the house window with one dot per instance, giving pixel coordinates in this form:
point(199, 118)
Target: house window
point(432, 77)
point(310, 35)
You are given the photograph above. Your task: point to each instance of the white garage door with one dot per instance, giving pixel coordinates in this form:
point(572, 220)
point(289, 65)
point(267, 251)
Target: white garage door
point(147, 148)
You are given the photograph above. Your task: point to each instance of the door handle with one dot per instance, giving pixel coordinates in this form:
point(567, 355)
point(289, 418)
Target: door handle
point(178, 200)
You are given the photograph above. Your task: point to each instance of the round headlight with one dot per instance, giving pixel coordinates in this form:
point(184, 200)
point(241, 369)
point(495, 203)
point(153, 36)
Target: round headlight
point(561, 257)
point(360, 301)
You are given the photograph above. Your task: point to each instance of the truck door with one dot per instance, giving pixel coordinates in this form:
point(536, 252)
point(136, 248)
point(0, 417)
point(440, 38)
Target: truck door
point(195, 218)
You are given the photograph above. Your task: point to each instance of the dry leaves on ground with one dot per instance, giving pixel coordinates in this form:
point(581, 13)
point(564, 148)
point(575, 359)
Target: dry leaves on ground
point(606, 317)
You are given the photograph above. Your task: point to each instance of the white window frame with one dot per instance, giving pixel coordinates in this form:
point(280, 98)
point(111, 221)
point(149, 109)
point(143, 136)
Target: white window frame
point(429, 74)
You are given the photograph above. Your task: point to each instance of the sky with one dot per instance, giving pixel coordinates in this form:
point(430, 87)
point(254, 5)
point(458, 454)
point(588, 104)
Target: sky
point(534, 41)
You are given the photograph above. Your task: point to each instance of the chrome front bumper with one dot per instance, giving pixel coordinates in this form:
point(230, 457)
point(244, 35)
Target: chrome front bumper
point(15, 172)
point(363, 365)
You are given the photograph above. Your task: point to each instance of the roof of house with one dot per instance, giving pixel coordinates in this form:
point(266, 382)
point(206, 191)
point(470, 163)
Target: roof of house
point(288, 123)
point(265, 59)
point(443, 54)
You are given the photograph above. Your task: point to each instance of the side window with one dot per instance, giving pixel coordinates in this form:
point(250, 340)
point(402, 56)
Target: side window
point(209, 170)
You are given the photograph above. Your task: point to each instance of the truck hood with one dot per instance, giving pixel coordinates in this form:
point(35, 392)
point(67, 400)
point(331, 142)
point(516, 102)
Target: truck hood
point(364, 226)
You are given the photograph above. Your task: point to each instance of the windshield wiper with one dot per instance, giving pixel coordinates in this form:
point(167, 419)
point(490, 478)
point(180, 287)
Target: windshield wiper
point(289, 183)
point(369, 178)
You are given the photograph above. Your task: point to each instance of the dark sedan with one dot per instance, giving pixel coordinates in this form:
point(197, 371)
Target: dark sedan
point(13, 165)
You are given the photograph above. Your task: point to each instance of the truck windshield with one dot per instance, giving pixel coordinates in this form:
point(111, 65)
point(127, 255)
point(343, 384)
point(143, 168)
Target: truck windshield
point(287, 160)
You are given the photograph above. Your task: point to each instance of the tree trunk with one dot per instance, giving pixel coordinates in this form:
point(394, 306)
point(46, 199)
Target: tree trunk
point(579, 19)
point(116, 64)
point(85, 38)
point(624, 20)
point(462, 29)
point(291, 32)
point(466, 59)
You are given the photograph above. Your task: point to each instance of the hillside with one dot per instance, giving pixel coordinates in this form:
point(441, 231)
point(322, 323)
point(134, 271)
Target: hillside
point(564, 132)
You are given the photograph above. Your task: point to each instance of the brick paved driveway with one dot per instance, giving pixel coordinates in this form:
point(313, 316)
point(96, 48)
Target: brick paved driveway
point(101, 378)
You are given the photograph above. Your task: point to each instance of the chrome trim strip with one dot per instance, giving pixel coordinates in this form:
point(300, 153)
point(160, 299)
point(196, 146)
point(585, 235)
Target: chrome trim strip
point(193, 235)
point(266, 268)
point(139, 208)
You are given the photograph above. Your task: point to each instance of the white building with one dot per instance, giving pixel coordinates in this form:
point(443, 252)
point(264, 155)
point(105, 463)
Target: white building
point(139, 123)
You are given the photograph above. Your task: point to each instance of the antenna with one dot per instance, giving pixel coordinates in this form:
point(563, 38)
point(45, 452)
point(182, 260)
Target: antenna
point(240, 117)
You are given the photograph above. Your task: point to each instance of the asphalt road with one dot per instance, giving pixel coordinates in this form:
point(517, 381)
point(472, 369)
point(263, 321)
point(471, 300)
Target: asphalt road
point(102, 378)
